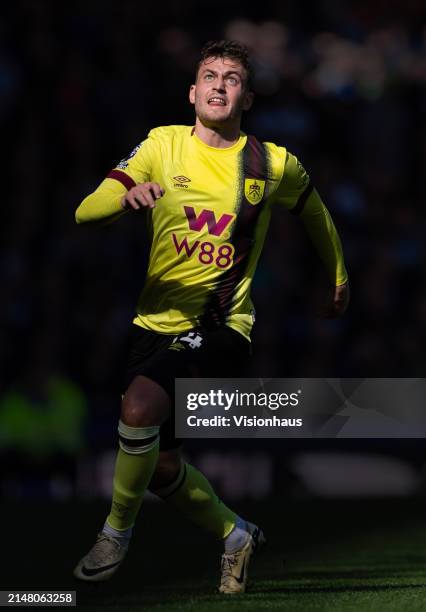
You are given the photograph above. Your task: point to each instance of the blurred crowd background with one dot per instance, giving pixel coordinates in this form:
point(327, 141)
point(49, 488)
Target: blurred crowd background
point(342, 84)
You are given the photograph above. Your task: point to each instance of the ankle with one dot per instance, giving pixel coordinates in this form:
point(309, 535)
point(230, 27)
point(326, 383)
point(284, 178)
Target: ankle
point(122, 535)
point(238, 536)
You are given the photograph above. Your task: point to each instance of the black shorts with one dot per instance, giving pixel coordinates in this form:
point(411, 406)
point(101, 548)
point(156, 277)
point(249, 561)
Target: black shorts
point(220, 352)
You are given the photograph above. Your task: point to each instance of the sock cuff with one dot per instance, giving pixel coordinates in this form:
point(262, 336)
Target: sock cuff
point(113, 531)
point(137, 440)
point(174, 486)
point(137, 432)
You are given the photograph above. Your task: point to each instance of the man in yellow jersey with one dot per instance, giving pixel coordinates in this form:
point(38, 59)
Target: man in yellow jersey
point(208, 190)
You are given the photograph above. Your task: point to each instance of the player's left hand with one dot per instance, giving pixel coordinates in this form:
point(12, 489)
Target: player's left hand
point(337, 301)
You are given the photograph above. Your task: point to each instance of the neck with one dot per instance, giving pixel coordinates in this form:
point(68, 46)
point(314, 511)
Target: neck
point(219, 137)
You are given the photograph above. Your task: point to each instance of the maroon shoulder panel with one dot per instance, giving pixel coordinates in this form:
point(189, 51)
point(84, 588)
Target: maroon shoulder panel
point(122, 177)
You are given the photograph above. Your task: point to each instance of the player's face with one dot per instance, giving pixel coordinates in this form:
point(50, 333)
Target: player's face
point(220, 93)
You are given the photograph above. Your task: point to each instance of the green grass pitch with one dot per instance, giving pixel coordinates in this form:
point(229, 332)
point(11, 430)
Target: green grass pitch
point(321, 555)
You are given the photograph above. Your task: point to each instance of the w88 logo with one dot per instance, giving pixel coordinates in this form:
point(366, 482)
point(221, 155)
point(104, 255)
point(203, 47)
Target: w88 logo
point(221, 256)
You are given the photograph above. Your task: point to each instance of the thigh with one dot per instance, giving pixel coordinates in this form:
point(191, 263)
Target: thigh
point(209, 353)
point(144, 348)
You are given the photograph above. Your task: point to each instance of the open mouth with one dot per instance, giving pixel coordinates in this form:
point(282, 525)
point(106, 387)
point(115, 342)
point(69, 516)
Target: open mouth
point(214, 101)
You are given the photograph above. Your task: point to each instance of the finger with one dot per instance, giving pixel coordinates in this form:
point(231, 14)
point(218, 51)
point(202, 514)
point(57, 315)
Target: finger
point(149, 198)
point(341, 302)
point(141, 200)
point(144, 198)
point(129, 202)
point(156, 190)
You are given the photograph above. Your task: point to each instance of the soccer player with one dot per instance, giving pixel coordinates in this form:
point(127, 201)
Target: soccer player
point(208, 190)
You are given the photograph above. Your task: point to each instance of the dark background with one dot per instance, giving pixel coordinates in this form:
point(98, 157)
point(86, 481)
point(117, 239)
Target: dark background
point(342, 85)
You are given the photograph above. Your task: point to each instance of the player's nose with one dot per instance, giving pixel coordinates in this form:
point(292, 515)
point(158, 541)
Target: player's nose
point(220, 85)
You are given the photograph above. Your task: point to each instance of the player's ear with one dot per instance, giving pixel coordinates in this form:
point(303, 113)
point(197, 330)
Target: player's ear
point(248, 100)
point(192, 94)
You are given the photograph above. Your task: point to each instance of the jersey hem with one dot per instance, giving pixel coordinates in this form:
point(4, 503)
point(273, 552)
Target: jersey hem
point(137, 321)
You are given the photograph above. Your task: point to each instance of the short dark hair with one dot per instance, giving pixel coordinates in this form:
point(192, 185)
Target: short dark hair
point(231, 49)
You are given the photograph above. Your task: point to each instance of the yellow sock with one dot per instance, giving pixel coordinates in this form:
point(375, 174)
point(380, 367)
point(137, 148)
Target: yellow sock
point(193, 495)
point(131, 478)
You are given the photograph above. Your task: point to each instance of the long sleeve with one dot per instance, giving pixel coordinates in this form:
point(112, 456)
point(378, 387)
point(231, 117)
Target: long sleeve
point(322, 231)
point(103, 203)
point(298, 195)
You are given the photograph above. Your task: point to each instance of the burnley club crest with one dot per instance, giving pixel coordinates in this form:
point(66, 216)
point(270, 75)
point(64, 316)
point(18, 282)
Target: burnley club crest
point(254, 190)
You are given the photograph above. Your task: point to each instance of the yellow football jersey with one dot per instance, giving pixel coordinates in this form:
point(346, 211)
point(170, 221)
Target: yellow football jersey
point(209, 227)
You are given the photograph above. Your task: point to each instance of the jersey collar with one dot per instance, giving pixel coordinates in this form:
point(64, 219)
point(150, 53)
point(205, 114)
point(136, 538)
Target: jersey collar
point(237, 146)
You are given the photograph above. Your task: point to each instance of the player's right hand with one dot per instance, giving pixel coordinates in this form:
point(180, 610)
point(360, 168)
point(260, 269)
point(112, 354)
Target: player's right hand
point(142, 195)
point(337, 301)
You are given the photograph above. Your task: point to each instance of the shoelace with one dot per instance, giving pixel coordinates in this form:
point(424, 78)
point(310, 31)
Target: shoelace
point(228, 562)
point(98, 551)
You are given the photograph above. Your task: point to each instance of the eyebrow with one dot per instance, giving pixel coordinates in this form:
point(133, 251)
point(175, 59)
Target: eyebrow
point(227, 73)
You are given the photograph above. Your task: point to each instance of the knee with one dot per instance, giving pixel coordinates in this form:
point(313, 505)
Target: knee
point(144, 405)
point(135, 412)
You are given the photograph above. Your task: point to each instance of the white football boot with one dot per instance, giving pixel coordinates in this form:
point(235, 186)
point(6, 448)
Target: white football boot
point(102, 560)
point(234, 566)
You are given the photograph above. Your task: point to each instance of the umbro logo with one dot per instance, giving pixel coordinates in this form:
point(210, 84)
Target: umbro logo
point(181, 181)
